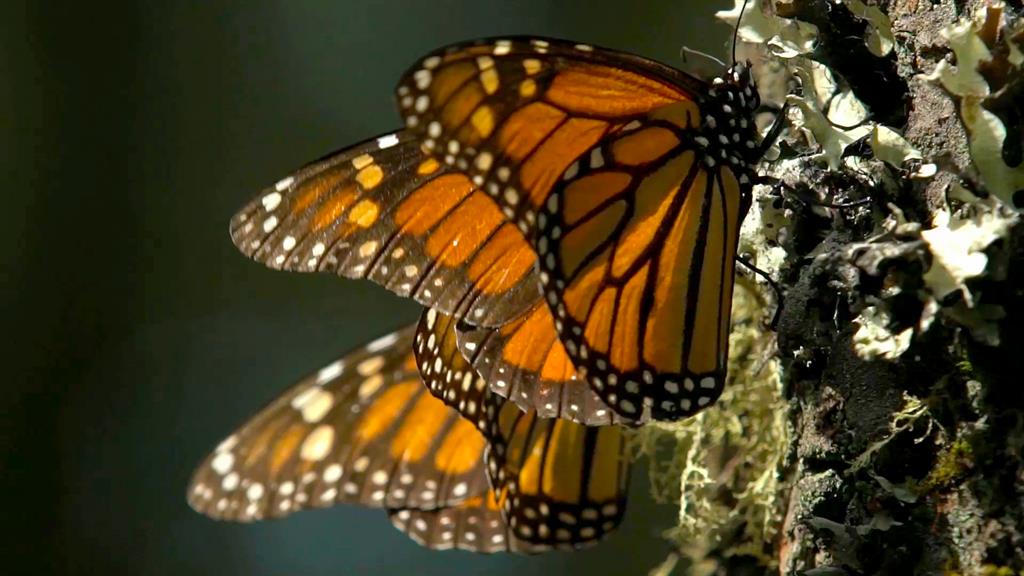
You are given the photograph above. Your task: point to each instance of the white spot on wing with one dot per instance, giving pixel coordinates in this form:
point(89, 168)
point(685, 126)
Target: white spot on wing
point(283, 184)
point(223, 462)
point(328, 373)
point(318, 444)
point(388, 141)
point(255, 491)
point(370, 365)
point(271, 201)
point(381, 343)
point(422, 78)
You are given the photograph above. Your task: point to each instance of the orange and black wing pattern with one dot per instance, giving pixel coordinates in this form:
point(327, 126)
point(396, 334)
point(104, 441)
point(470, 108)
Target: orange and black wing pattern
point(631, 180)
point(637, 243)
point(560, 484)
point(361, 430)
point(477, 524)
point(566, 482)
point(386, 211)
point(525, 361)
point(513, 114)
point(365, 430)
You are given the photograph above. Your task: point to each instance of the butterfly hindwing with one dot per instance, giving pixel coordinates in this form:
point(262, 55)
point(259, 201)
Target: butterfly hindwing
point(637, 246)
point(361, 430)
point(386, 211)
point(365, 430)
point(448, 375)
point(566, 482)
point(559, 483)
point(524, 361)
point(477, 525)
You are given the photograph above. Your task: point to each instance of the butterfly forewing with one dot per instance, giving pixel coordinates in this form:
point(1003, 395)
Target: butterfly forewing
point(361, 430)
point(386, 211)
point(514, 114)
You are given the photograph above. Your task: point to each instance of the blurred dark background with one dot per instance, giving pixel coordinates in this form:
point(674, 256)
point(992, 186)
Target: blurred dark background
point(137, 337)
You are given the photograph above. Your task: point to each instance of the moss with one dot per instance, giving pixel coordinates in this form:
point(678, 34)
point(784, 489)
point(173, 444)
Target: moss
point(966, 369)
point(951, 466)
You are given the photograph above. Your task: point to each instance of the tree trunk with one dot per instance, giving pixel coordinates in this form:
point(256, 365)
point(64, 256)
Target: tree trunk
point(904, 462)
point(900, 368)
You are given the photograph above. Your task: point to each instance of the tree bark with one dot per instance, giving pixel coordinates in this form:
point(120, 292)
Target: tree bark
point(908, 465)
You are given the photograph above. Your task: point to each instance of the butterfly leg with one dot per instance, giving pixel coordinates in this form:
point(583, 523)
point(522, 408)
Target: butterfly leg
point(775, 130)
point(779, 298)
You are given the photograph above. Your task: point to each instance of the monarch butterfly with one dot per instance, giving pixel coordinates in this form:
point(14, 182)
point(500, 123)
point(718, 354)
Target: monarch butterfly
point(591, 198)
point(364, 430)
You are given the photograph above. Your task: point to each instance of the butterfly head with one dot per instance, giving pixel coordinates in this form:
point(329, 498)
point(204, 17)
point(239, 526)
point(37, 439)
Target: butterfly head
point(740, 77)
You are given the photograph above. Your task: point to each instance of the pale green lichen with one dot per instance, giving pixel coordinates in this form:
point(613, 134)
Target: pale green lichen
point(912, 414)
point(784, 38)
point(833, 117)
point(986, 132)
point(874, 338)
point(958, 244)
point(890, 147)
point(880, 39)
point(828, 112)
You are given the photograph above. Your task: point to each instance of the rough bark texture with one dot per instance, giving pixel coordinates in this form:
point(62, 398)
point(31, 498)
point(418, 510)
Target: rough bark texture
point(879, 485)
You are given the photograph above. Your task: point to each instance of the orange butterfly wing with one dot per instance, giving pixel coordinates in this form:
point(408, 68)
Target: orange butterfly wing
point(385, 211)
point(361, 430)
point(514, 113)
point(566, 482)
point(365, 430)
point(526, 362)
point(477, 525)
point(614, 166)
point(637, 246)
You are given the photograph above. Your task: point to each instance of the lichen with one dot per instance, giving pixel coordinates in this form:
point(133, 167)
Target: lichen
point(880, 39)
point(958, 242)
point(912, 413)
point(972, 40)
point(784, 38)
point(899, 269)
point(722, 465)
point(874, 339)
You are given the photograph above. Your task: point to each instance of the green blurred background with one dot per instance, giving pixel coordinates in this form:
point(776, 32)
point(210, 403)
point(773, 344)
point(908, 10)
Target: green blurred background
point(139, 337)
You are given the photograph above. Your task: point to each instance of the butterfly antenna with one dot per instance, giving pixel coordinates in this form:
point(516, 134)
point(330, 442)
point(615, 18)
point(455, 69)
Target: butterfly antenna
point(687, 50)
point(736, 32)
